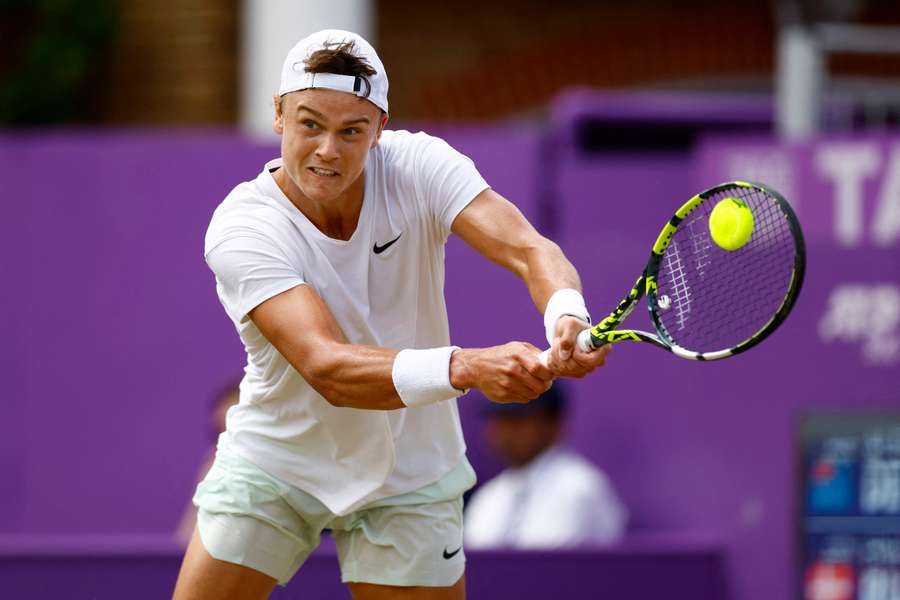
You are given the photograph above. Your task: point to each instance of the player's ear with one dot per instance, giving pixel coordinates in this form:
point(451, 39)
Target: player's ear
point(381, 124)
point(278, 125)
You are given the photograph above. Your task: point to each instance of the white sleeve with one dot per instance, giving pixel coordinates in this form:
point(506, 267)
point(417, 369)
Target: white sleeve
point(446, 180)
point(249, 270)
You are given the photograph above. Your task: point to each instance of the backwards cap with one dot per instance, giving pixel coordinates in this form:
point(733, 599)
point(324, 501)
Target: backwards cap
point(294, 77)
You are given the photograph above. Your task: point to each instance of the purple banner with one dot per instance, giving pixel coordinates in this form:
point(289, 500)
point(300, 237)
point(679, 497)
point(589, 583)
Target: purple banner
point(840, 351)
point(845, 190)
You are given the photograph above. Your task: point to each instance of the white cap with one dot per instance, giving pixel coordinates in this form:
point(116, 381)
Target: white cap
point(294, 77)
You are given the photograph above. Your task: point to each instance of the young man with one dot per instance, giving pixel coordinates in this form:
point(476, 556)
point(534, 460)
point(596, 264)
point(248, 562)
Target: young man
point(330, 265)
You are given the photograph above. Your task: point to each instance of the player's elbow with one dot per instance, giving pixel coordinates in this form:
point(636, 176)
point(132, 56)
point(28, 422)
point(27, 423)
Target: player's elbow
point(537, 252)
point(546, 246)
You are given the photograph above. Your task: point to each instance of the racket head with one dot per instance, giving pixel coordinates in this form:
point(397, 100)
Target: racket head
point(707, 302)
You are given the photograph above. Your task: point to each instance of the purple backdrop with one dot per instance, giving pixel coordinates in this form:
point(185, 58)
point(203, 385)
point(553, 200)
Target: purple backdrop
point(116, 341)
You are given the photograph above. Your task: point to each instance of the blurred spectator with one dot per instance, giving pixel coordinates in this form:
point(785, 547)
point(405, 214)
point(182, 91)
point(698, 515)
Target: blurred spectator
point(227, 397)
point(548, 497)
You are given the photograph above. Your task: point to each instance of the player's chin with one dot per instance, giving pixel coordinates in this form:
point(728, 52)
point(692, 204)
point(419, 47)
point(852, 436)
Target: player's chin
point(322, 191)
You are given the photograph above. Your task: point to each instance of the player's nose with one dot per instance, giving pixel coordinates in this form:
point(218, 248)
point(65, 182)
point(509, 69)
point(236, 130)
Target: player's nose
point(327, 148)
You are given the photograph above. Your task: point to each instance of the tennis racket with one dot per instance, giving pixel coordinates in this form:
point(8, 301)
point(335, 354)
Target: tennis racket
point(708, 303)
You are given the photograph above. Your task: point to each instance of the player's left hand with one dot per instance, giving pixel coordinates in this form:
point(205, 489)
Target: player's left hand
point(566, 358)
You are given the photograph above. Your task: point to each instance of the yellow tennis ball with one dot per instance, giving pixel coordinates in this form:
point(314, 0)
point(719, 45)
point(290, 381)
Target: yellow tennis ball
point(731, 223)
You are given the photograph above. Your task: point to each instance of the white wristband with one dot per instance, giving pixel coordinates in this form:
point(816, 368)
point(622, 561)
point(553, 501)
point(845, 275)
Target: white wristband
point(564, 302)
point(423, 376)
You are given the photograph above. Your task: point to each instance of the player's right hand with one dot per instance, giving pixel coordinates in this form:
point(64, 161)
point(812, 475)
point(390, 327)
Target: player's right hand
point(565, 358)
point(505, 374)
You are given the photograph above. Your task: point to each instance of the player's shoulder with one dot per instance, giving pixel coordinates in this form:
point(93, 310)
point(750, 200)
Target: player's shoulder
point(401, 144)
point(246, 203)
point(248, 209)
point(404, 137)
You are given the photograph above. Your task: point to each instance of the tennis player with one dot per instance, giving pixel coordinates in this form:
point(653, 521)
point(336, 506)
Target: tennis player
point(330, 265)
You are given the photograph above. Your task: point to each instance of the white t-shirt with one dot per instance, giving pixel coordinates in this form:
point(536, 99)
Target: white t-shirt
point(259, 245)
point(558, 500)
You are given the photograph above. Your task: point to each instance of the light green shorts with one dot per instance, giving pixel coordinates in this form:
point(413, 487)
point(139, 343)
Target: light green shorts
point(251, 518)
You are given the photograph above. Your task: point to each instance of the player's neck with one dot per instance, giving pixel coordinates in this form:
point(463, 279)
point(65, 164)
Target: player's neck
point(336, 218)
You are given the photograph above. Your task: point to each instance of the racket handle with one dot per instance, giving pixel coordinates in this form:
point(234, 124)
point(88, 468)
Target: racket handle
point(583, 340)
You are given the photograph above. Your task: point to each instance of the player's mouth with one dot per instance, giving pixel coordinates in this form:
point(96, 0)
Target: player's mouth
point(319, 172)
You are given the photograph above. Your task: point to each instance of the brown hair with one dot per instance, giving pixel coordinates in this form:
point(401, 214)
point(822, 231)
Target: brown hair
point(339, 58)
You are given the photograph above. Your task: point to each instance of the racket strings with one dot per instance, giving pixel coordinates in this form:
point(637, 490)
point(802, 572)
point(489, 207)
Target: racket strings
point(681, 292)
point(702, 244)
point(720, 298)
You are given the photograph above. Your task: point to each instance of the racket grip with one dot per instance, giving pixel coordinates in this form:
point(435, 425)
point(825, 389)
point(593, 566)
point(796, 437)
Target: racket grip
point(583, 340)
point(544, 357)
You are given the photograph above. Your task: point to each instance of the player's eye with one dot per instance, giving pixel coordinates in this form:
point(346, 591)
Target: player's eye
point(310, 124)
point(351, 131)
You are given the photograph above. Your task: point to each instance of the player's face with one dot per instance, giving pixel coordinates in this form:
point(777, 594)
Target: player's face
point(326, 136)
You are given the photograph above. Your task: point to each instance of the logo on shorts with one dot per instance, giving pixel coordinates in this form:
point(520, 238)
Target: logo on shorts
point(449, 555)
point(379, 249)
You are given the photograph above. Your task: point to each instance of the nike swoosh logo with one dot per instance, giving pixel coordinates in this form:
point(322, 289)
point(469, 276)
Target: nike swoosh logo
point(379, 249)
point(449, 555)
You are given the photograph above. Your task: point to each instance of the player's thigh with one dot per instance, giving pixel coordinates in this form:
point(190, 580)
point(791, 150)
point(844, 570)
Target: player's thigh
point(371, 591)
point(204, 577)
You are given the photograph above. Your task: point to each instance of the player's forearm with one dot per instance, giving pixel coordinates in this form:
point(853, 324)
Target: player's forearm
point(302, 328)
point(353, 376)
point(545, 269)
point(497, 230)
